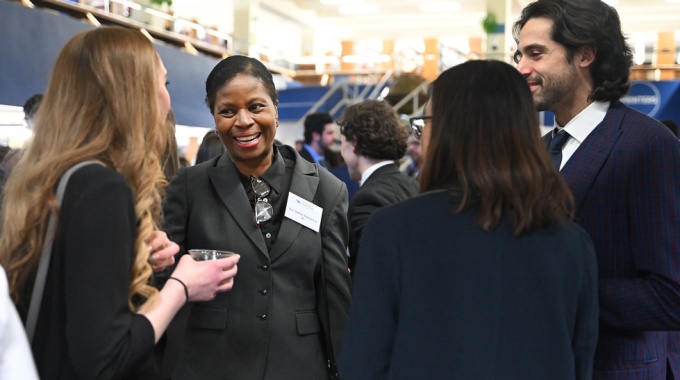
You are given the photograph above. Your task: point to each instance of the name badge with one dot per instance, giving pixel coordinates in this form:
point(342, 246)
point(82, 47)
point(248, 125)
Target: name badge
point(304, 212)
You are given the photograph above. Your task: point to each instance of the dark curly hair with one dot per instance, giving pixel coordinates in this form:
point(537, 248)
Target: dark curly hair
point(578, 23)
point(376, 129)
point(230, 67)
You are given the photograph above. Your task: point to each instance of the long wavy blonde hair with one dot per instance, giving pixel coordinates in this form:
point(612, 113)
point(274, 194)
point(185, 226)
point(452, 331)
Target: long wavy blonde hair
point(100, 104)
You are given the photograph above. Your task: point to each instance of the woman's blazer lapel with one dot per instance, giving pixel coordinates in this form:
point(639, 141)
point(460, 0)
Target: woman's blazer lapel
point(304, 184)
point(227, 185)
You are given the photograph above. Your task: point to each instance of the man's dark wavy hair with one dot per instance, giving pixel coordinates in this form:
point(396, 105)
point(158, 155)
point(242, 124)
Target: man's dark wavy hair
point(578, 23)
point(376, 130)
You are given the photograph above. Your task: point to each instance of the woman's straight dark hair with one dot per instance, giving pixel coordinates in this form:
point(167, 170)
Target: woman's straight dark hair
point(485, 144)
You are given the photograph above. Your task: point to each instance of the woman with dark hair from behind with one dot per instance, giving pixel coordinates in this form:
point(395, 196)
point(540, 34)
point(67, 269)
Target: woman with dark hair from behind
point(484, 275)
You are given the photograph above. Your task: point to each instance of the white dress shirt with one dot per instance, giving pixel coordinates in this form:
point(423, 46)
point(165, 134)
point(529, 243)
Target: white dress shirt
point(371, 169)
point(580, 127)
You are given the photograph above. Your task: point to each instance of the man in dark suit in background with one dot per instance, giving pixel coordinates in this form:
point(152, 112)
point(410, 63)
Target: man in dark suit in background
point(319, 137)
point(624, 170)
point(372, 139)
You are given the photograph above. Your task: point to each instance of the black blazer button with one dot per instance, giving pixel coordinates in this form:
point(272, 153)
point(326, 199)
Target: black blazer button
point(264, 292)
point(262, 317)
point(264, 267)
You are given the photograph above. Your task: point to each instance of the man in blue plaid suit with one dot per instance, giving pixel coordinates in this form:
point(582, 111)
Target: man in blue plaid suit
point(624, 170)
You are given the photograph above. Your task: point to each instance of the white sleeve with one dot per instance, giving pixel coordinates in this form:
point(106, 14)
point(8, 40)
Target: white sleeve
point(16, 360)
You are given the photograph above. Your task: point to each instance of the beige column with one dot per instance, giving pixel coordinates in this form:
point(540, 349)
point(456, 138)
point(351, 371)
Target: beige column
point(307, 40)
point(476, 47)
point(347, 49)
point(245, 25)
point(496, 42)
point(665, 55)
point(388, 49)
point(431, 59)
point(192, 149)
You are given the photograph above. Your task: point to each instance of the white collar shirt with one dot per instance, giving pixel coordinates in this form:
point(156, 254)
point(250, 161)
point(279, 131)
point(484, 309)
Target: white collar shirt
point(580, 127)
point(371, 169)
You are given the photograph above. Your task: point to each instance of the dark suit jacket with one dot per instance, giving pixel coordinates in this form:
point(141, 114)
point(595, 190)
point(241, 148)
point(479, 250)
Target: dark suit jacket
point(306, 155)
point(268, 325)
point(332, 159)
point(386, 186)
point(438, 298)
point(625, 178)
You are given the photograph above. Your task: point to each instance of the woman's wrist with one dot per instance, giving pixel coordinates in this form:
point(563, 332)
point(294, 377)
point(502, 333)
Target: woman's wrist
point(165, 307)
point(186, 290)
point(176, 290)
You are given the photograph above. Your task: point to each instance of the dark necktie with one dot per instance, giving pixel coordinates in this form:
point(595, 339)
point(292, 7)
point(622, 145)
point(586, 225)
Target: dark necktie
point(555, 146)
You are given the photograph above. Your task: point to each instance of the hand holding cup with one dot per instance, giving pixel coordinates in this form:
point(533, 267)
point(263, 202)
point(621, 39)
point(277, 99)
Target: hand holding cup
point(207, 277)
point(209, 254)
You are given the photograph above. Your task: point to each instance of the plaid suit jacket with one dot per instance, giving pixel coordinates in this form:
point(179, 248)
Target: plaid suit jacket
point(625, 177)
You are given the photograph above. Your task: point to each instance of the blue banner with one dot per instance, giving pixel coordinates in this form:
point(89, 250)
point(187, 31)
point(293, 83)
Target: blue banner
point(657, 99)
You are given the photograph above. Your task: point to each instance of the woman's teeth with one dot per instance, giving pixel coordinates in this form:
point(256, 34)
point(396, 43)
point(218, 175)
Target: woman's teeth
point(244, 139)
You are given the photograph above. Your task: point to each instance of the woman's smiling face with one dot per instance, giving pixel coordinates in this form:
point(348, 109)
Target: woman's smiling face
point(246, 120)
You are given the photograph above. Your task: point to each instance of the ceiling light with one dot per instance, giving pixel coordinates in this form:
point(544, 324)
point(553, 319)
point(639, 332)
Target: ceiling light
point(358, 9)
point(673, 1)
point(442, 6)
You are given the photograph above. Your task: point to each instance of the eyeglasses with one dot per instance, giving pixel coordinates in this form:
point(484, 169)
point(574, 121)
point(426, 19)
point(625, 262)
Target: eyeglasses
point(417, 124)
point(263, 210)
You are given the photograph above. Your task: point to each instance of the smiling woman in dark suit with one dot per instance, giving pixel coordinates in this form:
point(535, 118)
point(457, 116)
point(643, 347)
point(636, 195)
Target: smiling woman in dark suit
point(286, 218)
point(483, 276)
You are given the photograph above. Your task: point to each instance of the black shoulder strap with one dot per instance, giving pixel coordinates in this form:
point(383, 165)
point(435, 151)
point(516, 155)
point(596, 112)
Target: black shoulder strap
point(43, 265)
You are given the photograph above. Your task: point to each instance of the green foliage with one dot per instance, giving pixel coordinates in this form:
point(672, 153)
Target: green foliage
point(161, 2)
point(489, 23)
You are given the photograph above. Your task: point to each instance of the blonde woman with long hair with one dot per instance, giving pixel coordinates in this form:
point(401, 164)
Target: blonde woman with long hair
point(100, 317)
